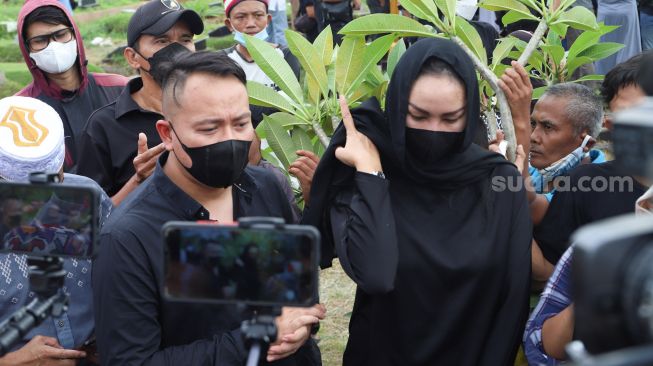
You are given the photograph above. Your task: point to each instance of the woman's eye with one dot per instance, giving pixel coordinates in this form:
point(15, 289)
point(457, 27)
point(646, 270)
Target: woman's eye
point(417, 118)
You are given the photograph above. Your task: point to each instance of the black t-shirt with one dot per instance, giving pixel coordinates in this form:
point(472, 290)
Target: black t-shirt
point(109, 142)
point(134, 325)
point(596, 192)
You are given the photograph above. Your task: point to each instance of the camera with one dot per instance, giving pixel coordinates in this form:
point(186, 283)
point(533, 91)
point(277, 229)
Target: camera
point(261, 265)
point(612, 271)
point(46, 221)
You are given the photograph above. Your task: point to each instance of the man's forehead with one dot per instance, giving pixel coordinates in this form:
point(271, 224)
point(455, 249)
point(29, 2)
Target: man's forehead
point(227, 95)
point(248, 6)
point(180, 26)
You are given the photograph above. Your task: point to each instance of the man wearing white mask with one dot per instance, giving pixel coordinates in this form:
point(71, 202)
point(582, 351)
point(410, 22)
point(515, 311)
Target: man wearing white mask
point(54, 53)
point(251, 17)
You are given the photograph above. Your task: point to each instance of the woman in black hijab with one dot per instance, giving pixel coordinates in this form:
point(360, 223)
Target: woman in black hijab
point(418, 217)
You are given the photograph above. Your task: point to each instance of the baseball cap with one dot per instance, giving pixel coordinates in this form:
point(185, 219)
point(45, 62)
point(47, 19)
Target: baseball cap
point(230, 4)
point(157, 16)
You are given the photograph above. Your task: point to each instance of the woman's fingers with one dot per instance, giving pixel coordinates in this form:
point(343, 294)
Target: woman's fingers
point(346, 116)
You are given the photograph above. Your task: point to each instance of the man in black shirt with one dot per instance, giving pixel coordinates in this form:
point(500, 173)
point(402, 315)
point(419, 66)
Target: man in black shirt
point(114, 144)
point(203, 175)
point(595, 191)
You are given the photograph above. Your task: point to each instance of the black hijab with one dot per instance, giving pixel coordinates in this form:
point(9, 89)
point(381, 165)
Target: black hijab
point(468, 164)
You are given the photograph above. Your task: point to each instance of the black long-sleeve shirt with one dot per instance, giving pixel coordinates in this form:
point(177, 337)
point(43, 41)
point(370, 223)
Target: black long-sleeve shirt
point(443, 277)
point(134, 325)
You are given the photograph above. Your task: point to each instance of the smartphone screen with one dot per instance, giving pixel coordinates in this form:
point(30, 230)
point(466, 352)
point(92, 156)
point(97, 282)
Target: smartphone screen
point(222, 264)
point(48, 219)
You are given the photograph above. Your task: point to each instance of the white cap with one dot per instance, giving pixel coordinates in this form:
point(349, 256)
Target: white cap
point(31, 138)
point(466, 8)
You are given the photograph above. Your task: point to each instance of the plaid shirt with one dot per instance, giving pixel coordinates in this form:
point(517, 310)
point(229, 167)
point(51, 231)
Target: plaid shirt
point(555, 298)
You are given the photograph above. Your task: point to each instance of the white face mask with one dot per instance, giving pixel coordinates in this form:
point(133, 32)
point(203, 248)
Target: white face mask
point(57, 57)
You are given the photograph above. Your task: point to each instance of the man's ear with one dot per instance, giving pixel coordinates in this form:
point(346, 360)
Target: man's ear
point(269, 19)
point(227, 22)
point(131, 57)
point(165, 132)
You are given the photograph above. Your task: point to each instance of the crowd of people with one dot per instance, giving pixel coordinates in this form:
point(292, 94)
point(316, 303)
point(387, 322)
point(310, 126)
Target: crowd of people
point(445, 238)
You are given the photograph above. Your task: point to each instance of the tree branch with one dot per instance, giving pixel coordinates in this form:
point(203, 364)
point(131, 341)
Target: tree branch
point(504, 107)
point(533, 43)
point(324, 139)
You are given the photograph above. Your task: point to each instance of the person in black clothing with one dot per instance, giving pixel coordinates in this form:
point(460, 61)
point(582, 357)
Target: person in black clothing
point(620, 90)
point(53, 50)
point(203, 175)
point(119, 145)
point(442, 261)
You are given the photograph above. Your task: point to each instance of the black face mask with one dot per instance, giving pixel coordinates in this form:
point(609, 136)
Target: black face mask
point(217, 165)
point(163, 56)
point(428, 147)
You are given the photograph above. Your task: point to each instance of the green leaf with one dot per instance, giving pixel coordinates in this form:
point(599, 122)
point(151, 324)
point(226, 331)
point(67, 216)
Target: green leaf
point(301, 140)
point(556, 52)
point(577, 62)
point(423, 9)
point(508, 5)
point(349, 63)
point(448, 8)
point(553, 38)
point(564, 4)
point(324, 45)
point(395, 54)
point(310, 60)
point(589, 78)
point(537, 92)
point(373, 54)
point(375, 77)
point(515, 16)
point(502, 50)
point(468, 34)
point(279, 139)
point(265, 96)
point(601, 50)
point(584, 41)
point(386, 23)
point(578, 17)
point(275, 67)
point(559, 28)
point(289, 121)
point(318, 148)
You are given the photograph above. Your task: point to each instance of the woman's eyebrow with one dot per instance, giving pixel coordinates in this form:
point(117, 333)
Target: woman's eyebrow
point(420, 110)
point(455, 112)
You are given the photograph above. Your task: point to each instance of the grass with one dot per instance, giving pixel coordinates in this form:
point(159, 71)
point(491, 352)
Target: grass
point(9, 51)
point(337, 294)
point(220, 43)
point(16, 72)
point(113, 26)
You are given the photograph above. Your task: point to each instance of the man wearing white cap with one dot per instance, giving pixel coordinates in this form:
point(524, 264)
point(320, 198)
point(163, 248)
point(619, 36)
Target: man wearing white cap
point(32, 140)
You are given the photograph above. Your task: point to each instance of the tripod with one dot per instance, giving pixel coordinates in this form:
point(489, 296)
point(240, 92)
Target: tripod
point(259, 332)
point(46, 279)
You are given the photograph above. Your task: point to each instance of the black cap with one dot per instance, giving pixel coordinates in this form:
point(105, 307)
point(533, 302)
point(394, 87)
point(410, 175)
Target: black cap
point(157, 16)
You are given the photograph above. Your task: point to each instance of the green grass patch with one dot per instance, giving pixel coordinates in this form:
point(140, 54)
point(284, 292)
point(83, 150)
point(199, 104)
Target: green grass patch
point(9, 51)
point(16, 72)
point(106, 4)
point(9, 88)
point(113, 26)
point(220, 43)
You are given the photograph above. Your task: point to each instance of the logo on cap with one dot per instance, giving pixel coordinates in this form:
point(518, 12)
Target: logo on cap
point(24, 128)
point(171, 4)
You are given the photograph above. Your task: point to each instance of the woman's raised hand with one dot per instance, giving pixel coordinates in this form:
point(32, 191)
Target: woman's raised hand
point(359, 151)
